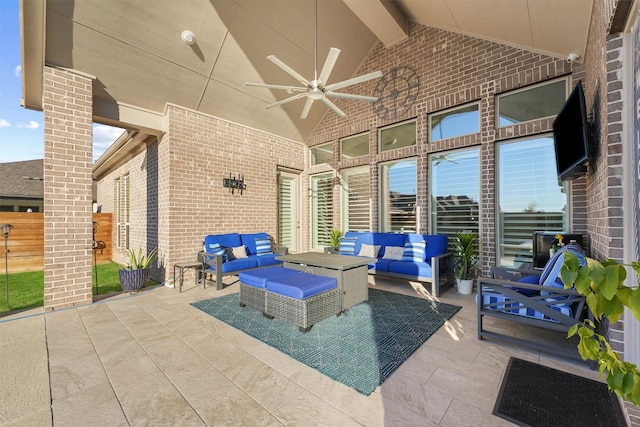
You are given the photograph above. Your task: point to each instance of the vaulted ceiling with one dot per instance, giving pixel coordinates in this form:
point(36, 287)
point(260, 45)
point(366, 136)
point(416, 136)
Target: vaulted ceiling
point(134, 50)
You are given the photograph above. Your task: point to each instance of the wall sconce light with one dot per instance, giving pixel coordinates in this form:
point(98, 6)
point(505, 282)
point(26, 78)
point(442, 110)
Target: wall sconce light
point(6, 229)
point(188, 37)
point(233, 183)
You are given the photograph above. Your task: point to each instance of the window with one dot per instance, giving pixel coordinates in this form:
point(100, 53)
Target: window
point(531, 103)
point(458, 121)
point(398, 196)
point(455, 192)
point(356, 199)
point(530, 197)
point(354, 146)
point(122, 212)
point(398, 136)
point(321, 210)
point(288, 210)
point(322, 154)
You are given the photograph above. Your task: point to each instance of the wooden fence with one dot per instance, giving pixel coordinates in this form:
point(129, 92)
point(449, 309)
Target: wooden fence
point(26, 240)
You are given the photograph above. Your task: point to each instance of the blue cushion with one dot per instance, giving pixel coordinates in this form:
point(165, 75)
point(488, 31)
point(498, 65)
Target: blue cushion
point(263, 246)
point(414, 251)
point(551, 273)
point(436, 245)
point(258, 278)
point(506, 303)
point(269, 259)
point(422, 269)
point(380, 265)
point(240, 264)
point(347, 246)
point(249, 240)
point(376, 239)
point(301, 286)
point(231, 240)
point(531, 280)
point(216, 249)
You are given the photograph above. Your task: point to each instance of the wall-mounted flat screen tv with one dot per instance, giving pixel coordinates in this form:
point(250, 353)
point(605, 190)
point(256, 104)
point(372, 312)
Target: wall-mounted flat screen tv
point(571, 136)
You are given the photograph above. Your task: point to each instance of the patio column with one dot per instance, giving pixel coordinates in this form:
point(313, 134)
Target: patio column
point(67, 106)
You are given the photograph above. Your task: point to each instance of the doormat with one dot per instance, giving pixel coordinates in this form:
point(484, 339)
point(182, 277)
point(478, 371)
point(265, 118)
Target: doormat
point(535, 395)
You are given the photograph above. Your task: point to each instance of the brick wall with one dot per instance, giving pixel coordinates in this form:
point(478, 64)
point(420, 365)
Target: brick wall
point(67, 106)
point(453, 70)
point(177, 194)
point(142, 171)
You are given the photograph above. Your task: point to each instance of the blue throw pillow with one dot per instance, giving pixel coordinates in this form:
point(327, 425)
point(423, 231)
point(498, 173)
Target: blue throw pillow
point(551, 273)
point(263, 247)
point(414, 251)
point(348, 245)
point(531, 280)
point(216, 249)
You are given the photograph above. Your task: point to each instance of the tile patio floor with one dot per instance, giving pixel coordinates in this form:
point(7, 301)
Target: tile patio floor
point(152, 359)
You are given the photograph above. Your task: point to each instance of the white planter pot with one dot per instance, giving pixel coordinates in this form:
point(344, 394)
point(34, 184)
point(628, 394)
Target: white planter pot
point(465, 286)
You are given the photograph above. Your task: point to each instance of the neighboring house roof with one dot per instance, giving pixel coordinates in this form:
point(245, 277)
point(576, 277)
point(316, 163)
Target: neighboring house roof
point(25, 180)
point(22, 179)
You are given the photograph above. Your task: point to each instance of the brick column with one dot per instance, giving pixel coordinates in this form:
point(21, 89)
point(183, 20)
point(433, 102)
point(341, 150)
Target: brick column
point(67, 175)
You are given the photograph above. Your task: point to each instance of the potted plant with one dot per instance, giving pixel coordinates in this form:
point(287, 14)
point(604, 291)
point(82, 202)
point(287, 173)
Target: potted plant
point(135, 274)
point(334, 240)
point(465, 251)
point(607, 296)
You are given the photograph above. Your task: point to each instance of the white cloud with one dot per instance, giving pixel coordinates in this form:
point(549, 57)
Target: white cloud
point(103, 137)
point(103, 134)
point(17, 71)
point(32, 125)
point(4, 123)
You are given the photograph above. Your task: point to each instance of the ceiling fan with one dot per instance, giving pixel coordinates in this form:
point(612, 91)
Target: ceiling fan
point(318, 89)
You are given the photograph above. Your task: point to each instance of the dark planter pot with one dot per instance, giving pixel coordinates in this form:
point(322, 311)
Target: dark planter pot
point(134, 280)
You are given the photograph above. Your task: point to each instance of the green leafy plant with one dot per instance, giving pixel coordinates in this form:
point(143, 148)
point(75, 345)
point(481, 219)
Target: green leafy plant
point(335, 236)
point(465, 251)
point(138, 260)
point(602, 285)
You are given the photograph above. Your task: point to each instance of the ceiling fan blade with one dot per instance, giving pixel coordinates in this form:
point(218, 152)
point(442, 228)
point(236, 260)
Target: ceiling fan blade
point(351, 96)
point(307, 107)
point(284, 101)
point(332, 57)
point(290, 88)
point(353, 81)
point(333, 107)
point(288, 70)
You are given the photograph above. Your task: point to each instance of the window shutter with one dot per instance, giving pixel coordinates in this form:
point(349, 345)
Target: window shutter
point(321, 210)
point(358, 200)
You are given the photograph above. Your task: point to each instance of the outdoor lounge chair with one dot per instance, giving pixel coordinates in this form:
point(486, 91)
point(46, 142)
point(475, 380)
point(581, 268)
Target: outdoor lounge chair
point(530, 297)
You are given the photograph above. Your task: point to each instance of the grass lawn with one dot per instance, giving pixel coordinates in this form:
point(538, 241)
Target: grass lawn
point(26, 290)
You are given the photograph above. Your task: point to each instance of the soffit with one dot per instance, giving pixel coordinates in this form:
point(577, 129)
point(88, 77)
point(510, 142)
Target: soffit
point(553, 27)
point(133, 48)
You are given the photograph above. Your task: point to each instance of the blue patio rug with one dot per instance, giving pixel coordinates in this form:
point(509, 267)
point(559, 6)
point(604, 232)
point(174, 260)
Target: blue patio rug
point(360, 348)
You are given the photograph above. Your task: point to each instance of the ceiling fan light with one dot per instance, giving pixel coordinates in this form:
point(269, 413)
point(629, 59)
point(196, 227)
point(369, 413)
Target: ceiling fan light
point(316, 94)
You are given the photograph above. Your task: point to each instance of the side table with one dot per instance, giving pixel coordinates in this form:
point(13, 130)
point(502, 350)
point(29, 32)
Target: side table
point(182, 266)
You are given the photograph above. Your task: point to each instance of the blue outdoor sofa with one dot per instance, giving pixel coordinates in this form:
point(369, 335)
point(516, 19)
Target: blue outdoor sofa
point(231, 253)
point(411, 256)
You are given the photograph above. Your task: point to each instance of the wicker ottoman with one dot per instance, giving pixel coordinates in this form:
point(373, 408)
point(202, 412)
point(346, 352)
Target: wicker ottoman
point(253, 284)
point(303, 299)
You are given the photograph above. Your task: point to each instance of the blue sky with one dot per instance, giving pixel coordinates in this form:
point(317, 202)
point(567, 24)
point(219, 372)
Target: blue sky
point(21, 130)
